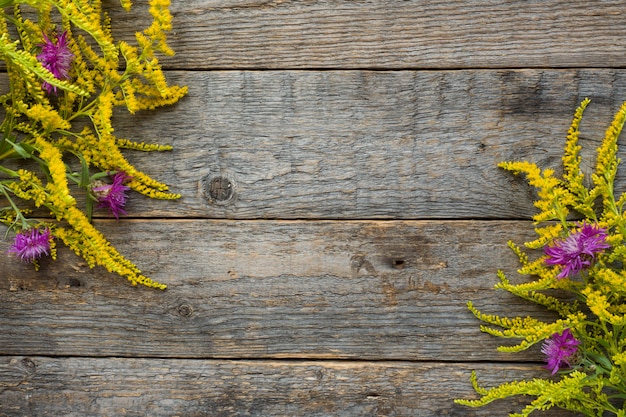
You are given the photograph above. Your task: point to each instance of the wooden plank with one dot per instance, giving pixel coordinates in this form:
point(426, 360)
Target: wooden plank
point(272, 289)
point(138, 387)
point(363, 144)
point(391, 34)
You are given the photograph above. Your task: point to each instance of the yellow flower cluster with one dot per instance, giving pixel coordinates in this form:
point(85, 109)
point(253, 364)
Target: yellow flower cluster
point(564, 394)
point(63, 118)
point(582, 228)
point(28, 187)
point(86, 241)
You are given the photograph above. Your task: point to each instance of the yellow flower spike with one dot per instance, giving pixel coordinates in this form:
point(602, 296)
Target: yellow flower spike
point(91, 244)
point(546, 235)
point(572, 175)
point(159, 9)
point(529, 329)
point(599, 305)
point(102, 117)
point(48, 117)
point(3, 22)
point(607, 153)
point(619, 359)
point(29, 189)
point(26, 29)
point(129, 98)
point(142, 146)
point(129, 53)
point(549, 188)
point(82, 17)
point(613, 280)
point(53, 248)
point(59, 197)
point(126, 4)
point(153, 193)
point(153, 101)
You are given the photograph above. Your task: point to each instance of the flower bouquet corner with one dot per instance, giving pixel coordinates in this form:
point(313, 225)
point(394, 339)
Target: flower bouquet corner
point(579, 250)
point(65, 75)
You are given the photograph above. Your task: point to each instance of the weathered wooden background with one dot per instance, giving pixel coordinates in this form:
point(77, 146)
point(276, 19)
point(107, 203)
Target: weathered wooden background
point(341, 204)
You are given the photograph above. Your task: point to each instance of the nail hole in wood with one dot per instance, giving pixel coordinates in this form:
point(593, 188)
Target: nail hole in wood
point(398, 263)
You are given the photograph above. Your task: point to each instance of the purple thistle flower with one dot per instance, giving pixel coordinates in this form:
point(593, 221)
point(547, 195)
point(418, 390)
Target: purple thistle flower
point(113, 196)
point(31, 244)
point(578, 250)
point(56, 57)
point(560, 349)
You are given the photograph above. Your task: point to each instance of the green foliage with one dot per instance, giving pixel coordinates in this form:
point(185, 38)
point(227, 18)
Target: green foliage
point(591, 303)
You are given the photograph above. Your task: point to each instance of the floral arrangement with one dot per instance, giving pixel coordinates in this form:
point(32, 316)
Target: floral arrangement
point(66, 74)
point(580, 277)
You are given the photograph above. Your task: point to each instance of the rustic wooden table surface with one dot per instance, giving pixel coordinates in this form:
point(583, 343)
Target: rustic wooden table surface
point(341, 203)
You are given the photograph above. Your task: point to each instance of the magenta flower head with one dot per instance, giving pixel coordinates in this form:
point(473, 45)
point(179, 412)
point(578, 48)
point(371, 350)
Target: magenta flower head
point(56, 57)
point(578, 250)
point(560, 350)
point(31, 244)
point(113, 196)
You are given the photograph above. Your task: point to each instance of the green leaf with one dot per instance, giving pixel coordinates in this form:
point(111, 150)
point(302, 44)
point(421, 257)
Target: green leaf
point(601, 360)
point(89, 205)
point(84, 172)
point(24, 150)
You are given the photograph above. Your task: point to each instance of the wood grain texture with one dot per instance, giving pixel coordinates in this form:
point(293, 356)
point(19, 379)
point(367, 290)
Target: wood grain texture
point(390, 34)
point(365, 144)
point(272, 289)
point(302, 282)
point(76, 387)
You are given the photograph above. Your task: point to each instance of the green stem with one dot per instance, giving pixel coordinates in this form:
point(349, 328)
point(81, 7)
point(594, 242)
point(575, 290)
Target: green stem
point(18, 214)
point(9, 171)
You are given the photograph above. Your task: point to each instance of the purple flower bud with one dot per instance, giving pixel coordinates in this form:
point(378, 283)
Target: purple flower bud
point(560, 350)
point(113, 196)
point(31, 244)
point(57, 58)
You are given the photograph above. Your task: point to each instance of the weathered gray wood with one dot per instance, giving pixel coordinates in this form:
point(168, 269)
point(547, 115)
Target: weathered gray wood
point(34, 386)
point(363, 144)
point(317, 318)
point(272, 289)
point(391, 34)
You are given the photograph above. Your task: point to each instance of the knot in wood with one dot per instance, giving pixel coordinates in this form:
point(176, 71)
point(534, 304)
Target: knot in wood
point(28, 365)
point(219, 189)
point(185, 310)
point(75, 282)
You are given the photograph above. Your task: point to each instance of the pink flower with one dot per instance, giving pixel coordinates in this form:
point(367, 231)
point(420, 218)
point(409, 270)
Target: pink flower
point(560, 349)
point(56, 57)
point(113, 196)
point(578, 250)
point(30, 245)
